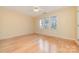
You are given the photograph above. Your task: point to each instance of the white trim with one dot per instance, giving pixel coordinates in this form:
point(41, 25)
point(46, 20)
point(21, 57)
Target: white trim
point(68, 38)
point(13, 36)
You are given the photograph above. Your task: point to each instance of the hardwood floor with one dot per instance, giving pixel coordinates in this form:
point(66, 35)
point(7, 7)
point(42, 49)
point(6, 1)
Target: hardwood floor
point(37, 44)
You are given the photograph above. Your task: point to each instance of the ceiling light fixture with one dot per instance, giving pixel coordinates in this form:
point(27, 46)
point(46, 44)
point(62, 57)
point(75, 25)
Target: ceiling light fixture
point(36, 9)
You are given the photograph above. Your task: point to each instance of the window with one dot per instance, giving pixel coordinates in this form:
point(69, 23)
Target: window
point(53, 22)
point(47, 22)
point(44, 23)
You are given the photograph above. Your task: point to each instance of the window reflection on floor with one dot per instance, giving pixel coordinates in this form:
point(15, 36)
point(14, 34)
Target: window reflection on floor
point(45, 46)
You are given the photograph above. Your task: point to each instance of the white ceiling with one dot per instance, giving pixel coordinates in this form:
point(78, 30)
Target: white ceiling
point(28, 10)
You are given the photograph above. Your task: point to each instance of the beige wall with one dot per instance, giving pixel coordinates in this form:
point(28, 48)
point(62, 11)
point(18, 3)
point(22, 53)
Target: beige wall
point(14, 23)
point(66, 20)
point(0, 21)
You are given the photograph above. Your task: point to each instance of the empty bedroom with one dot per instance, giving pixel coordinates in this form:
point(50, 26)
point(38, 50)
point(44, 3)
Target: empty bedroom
point(39, 29)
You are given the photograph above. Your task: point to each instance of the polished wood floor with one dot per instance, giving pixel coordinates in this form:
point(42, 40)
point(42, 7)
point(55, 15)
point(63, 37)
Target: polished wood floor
point(37, 44)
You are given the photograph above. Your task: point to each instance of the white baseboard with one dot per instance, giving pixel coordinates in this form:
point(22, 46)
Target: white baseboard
point(57, 36)
point(13, 36)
